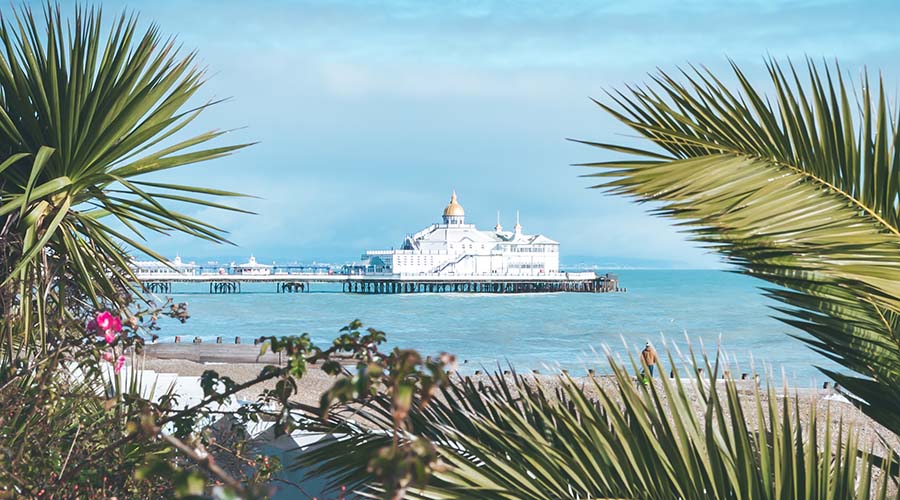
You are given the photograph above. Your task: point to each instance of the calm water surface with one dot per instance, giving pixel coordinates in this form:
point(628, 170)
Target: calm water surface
point(531, 331)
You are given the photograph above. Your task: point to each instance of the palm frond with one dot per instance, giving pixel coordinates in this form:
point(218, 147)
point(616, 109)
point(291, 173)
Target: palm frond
point(694, 438)
point(801, 193)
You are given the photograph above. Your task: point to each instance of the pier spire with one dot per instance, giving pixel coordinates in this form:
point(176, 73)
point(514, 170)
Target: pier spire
point(518, 228)
point(498, 227)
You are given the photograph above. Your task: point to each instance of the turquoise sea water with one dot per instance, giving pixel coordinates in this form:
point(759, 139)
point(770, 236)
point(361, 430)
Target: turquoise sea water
point(531, 331)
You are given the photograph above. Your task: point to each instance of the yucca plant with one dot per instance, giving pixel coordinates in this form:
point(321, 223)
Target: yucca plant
point(799, 188)
point(88, 110)
point(85, 113)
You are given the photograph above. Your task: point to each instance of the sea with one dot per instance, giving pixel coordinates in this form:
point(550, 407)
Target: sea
point(712, 312)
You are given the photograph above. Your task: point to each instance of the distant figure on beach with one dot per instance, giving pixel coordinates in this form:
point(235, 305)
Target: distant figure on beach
point(649, 357)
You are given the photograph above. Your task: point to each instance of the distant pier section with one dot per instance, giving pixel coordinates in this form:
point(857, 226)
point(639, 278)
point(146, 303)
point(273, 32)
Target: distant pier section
point(450, 256)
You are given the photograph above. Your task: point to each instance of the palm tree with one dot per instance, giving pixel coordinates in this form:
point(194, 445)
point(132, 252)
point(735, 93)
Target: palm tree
point(85, 115)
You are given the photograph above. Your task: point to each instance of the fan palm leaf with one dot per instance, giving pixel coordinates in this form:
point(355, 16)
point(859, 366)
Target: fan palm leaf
point(800, 190)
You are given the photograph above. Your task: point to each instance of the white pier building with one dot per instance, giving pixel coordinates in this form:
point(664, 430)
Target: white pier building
point(252, 268)
point(450, 256)
point(155, 269)
point(453, 248)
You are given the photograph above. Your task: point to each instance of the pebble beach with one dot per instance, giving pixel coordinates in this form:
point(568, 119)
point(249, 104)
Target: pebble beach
point(827, 402)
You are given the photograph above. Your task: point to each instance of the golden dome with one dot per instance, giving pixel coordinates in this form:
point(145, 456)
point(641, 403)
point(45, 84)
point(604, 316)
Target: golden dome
point(454, 208)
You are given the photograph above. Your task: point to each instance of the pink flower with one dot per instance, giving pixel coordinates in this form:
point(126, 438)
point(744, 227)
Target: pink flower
point(108, 356)
point(109, 336)
point(120, 363)
point(92, 325)
point(104, 321)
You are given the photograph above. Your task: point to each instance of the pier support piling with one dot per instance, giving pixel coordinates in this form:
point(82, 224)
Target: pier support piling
point(395, 284)
point(158, 286)
point(219, 287)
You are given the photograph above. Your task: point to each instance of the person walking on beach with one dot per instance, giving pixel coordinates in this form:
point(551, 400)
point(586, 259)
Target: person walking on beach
point(649, 357)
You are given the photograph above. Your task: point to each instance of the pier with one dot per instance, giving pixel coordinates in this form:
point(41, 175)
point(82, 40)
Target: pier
point(441, 284)
point(379, 284)
point(450, 256)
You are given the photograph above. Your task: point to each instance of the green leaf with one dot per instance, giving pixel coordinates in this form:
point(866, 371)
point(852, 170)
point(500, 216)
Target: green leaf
point(189, 484)
point(96, 111)
point(801, 193)
point(609, 437)
point(263, 349)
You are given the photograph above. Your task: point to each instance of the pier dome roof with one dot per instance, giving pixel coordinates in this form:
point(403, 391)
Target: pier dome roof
point(454, 208)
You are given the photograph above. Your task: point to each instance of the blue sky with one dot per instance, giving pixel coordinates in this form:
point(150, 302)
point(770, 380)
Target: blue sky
point(369, 113)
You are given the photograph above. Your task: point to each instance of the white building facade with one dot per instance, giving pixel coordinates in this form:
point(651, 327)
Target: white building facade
point(453, 248)
point(171, 269)
point(252, 268)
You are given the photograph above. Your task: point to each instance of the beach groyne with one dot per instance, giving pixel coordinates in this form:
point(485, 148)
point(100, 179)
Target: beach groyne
point(210, 352)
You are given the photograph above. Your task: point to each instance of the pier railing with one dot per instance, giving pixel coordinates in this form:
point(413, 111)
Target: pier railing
point(338, 277)
point(386, 283)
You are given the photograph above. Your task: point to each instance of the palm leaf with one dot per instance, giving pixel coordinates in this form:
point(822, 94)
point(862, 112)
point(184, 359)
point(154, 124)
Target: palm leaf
point(613, 438)
point(801, 193)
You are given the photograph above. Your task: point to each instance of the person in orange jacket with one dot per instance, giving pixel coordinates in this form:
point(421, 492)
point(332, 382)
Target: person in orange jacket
point(649, 357)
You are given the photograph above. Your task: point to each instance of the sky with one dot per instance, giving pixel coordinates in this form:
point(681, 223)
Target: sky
point(368, 114)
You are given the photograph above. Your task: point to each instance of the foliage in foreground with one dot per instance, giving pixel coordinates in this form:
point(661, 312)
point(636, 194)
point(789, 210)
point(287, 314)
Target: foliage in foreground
point(86, 112)
point(800, 190)
point(793, 196)
point(65, 436)
point(103, 436)
point(614, 438)
point(85, 115)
